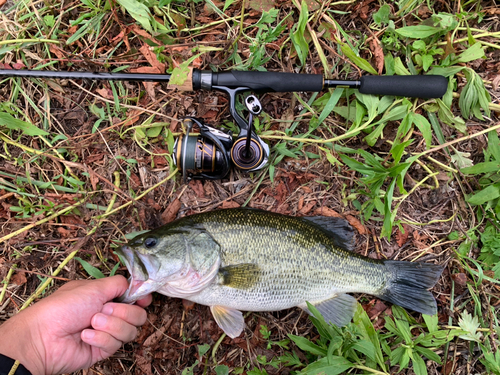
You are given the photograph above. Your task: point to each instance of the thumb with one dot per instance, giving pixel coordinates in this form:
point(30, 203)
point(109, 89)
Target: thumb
point(111, 287)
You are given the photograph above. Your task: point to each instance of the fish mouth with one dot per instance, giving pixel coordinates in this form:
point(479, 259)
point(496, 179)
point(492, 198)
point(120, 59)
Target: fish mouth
point(141, 269)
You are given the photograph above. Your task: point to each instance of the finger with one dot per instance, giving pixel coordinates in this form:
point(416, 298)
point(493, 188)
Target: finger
point(102, 340)
point(146, 301)
point(116, 327)
point(110, 287)
point(131, 314)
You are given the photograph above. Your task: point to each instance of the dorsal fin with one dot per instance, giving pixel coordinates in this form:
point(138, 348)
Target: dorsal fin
point(338, 229)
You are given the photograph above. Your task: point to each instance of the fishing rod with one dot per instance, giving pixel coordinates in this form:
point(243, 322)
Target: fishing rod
point(210, 154)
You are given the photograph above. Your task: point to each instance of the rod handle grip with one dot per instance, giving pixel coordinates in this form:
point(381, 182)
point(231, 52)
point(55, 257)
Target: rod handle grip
point(416, 86)
point(269, 81)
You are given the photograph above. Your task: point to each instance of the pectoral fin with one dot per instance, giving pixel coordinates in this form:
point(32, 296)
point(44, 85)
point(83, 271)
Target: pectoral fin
point(240, 276)
point(338, 310)
point(230, 320)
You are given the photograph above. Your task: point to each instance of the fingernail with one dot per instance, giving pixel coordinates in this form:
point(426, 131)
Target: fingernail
point(107, 310)
point(100, 320)
point(88, 334)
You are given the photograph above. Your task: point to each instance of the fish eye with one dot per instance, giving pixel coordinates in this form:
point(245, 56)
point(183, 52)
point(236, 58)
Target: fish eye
point(150, 242)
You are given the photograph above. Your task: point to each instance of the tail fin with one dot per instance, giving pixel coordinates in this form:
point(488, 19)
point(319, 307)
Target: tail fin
point(409, 283)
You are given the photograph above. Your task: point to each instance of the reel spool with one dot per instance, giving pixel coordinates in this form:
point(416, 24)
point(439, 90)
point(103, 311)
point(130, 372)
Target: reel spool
point(210, 154)
point(204, 155)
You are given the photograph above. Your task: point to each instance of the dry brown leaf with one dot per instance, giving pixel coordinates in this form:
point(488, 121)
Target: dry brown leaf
point(152, 59)
point(155, 337)
point(197, 187)
point(171, 212)
point(19, 278)
point(301, 203)
point(188, 305)
point(105, 93)
point(378, 54)
point(325, 211)
point(460, 279)
point(356, 224)
point(64, 232)
point(401, 237)
point(143, 364)
point(137, 30)
point(307, 208)
point(230, 204)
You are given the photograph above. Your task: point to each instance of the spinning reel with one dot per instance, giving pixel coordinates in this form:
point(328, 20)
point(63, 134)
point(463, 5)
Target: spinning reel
point(211, 153)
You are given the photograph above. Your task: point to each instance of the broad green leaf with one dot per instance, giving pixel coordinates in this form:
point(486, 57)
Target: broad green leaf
point(487, 194)
point(203, 349)
point(308, 346)
point(358, 61)
point(180, 74)
point(418, 32)
point(487, 167)
point(461, 159)
point(431, 321)
point(366, 347)
point(227, 4)
point(472, 53)
point(381, 16)
point(16, 124)
point(399, 68)
point(429, 354)
point(335, 366)
point(425, 128)
point(365, 325)
point(419, 365)
point(493, 145)
point(221, 370)
point(139, 11)
point(90, 269)
point(448, 118)
point(298, 38)
point(330, 105)
point(388, 215)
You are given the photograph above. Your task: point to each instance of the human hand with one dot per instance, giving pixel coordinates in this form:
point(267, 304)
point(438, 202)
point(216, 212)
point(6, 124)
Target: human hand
point(73, 328)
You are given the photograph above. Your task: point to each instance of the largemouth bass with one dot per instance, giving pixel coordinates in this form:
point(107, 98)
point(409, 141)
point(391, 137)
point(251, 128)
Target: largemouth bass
point(251, 260)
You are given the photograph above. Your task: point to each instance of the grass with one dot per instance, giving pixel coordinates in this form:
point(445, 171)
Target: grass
point(84, 164)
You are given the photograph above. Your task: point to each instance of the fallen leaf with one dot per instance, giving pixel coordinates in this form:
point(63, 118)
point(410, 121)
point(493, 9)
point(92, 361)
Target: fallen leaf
point(105, 93)
point(325, 211)
point(152, 59)
point(188, 305)
point(143, 364)
point(378, 54)
point(171, 212)
point(301, 203)
point(230, 204)
point(308, 207)
point(71, 219)
point(401, 237)
point(137, 30)
point(19, 278)
point(155, 337)
point(459, 278)
point(263, 5)
point(197, 187)
point(356, 224)
point(64, 232)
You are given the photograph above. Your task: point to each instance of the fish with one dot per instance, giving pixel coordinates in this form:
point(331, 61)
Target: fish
point(243, 259)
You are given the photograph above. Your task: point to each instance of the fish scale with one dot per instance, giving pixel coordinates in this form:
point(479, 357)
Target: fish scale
point(252, 260)
point(297, 262)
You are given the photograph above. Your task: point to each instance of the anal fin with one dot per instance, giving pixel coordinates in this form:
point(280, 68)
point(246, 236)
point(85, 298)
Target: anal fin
point(338, 310)
point(230, 320)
